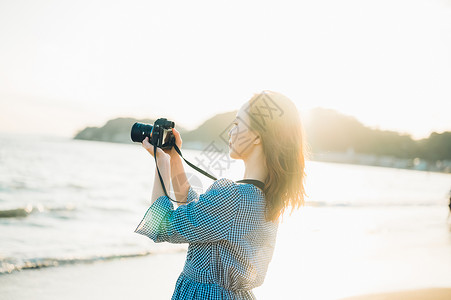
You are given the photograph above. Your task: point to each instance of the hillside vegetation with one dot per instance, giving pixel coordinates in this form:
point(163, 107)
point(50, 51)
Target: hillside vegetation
point(326, 131)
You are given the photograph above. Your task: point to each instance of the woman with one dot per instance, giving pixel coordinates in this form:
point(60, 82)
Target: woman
point(231, 228)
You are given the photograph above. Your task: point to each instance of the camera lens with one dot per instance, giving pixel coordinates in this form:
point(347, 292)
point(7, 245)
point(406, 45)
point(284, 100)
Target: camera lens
point(140, 131)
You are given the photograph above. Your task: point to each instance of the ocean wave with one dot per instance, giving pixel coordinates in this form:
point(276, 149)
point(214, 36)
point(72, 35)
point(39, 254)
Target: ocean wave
point(21, 212)
point(16, 212)
point(8, 266)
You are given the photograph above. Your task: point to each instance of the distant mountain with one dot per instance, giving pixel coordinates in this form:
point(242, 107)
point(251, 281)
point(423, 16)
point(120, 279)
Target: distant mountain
point(326, 130)
point(212, 133)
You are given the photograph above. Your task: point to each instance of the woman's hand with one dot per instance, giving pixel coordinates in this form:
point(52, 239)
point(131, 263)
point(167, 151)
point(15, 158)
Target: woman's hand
point(161, 155)
point(178, 142)
point(171, 152)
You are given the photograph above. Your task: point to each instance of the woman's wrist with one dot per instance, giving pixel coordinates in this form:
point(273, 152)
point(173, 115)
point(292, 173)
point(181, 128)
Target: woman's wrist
point(176, 159)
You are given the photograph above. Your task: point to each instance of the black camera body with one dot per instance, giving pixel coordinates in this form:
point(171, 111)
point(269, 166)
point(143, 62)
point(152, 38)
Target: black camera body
point(160, 133)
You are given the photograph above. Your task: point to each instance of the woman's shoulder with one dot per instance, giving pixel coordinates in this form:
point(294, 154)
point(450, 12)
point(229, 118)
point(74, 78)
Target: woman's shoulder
point(243, 190)
point(223, 181)
point(222, 187)
point(223, 184)
point(229, 183)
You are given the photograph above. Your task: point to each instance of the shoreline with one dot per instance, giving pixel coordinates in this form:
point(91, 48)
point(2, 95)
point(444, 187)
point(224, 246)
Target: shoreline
point(152, 277)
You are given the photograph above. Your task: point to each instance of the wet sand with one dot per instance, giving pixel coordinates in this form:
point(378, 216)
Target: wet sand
point(369, 253)
point(150, 277)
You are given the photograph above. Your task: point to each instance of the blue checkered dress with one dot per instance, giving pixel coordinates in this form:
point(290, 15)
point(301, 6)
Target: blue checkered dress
point(230, 242)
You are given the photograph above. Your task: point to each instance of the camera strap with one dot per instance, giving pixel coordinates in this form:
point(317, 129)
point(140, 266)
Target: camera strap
point(190, 164)
point(193, 166)
point(256, 183)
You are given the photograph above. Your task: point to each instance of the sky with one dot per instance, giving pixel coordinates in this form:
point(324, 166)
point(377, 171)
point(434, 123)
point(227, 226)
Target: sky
point(65, 65)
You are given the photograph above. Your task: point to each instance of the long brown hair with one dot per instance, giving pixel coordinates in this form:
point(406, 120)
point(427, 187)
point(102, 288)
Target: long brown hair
point(277, 121)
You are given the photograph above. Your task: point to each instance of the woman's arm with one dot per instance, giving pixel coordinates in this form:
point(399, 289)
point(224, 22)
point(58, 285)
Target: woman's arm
point(169, 163)
point(164, 165)
point(209, 219)
point(165, 174)
point(180, 182)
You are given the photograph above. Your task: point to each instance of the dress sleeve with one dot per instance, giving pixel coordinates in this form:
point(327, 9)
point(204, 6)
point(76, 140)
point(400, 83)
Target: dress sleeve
point(206, 219)
point(192, 195)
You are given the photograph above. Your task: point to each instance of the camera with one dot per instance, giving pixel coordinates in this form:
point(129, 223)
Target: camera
point(161, 132)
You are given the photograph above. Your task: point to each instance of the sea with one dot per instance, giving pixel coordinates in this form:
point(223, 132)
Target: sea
point(65, 201)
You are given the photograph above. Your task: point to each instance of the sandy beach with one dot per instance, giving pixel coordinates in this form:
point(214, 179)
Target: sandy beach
point(150, 277)
point(323, 263)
